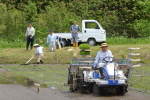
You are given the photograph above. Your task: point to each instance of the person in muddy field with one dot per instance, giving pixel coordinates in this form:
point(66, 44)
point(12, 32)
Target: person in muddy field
point(39, 52)
point(51, 41)
point(100, 56)
point(74, 29)
point(30, 32)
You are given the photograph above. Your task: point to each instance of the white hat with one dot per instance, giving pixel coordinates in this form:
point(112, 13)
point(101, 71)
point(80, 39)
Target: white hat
point(104, 45)
point(36, 45)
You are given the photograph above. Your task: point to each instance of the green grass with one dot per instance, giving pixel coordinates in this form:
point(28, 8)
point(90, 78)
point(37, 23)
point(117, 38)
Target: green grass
point(111, 41)
point(127, 41)
point(62, 56)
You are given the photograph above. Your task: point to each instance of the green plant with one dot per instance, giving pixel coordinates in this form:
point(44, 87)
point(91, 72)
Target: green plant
point(84, 52)
point(84, 46)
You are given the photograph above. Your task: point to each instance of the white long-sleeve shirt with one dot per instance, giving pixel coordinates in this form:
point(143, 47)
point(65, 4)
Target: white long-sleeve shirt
point(30, 31)
point(51, 38)
point(39, 50)
point(101, 55)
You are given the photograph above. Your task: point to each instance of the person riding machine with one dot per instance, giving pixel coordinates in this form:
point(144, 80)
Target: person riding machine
point(100, 62)
point(102, 66)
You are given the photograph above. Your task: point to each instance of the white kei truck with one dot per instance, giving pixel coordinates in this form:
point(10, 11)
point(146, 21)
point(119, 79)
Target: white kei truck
point(91, 32)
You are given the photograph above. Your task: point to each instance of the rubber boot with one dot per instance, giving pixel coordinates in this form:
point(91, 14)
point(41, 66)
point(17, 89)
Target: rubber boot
point(74, 45)
point(41, 61)
point(101, 72)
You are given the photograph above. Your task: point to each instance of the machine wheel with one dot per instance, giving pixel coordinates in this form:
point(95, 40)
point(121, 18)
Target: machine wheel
point(121, 90)
point(71, 82)
point(71, 88)
point(81, 83)
point(91, 42)
point(81, 89)
point(96, 89)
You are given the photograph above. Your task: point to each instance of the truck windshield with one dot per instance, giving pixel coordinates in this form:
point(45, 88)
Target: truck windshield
point(91, 25)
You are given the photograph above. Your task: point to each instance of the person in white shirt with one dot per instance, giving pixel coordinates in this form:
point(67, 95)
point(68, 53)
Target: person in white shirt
point(100, 56)
point(30, 32)
point(51, 41)
point(39, 52)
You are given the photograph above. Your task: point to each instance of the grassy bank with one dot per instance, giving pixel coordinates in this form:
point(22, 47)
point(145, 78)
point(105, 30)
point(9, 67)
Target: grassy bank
point(63, 56)
point(127, 41)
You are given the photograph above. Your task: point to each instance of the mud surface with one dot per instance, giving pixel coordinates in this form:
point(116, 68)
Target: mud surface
point(17, 92)
point(13, 91)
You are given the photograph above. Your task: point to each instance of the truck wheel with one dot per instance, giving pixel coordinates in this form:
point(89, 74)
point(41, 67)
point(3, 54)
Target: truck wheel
point(64, 42)
point(96, 89)
point(91, 42)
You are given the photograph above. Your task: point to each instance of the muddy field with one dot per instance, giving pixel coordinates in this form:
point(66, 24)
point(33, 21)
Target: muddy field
point(17, 92)
point(13, 85)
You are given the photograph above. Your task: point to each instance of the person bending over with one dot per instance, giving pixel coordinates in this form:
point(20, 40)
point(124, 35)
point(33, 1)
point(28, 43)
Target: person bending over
point(39, 52)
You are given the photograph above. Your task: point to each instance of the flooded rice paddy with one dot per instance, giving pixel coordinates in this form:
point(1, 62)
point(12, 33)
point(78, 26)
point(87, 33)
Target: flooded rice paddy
point(52, 77)
point(48, 76)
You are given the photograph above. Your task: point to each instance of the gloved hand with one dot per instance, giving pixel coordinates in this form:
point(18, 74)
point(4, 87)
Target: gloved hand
point(95, 64)
point(46, 44)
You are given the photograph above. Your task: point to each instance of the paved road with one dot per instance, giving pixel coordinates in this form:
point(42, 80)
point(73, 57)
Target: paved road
point(18, 92)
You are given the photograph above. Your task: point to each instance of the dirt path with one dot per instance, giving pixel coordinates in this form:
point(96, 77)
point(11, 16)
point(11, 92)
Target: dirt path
point(18, 92)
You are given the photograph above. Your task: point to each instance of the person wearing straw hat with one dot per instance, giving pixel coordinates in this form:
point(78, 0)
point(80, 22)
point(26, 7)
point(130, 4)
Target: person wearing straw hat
point(39, 52)
point(100, 56)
